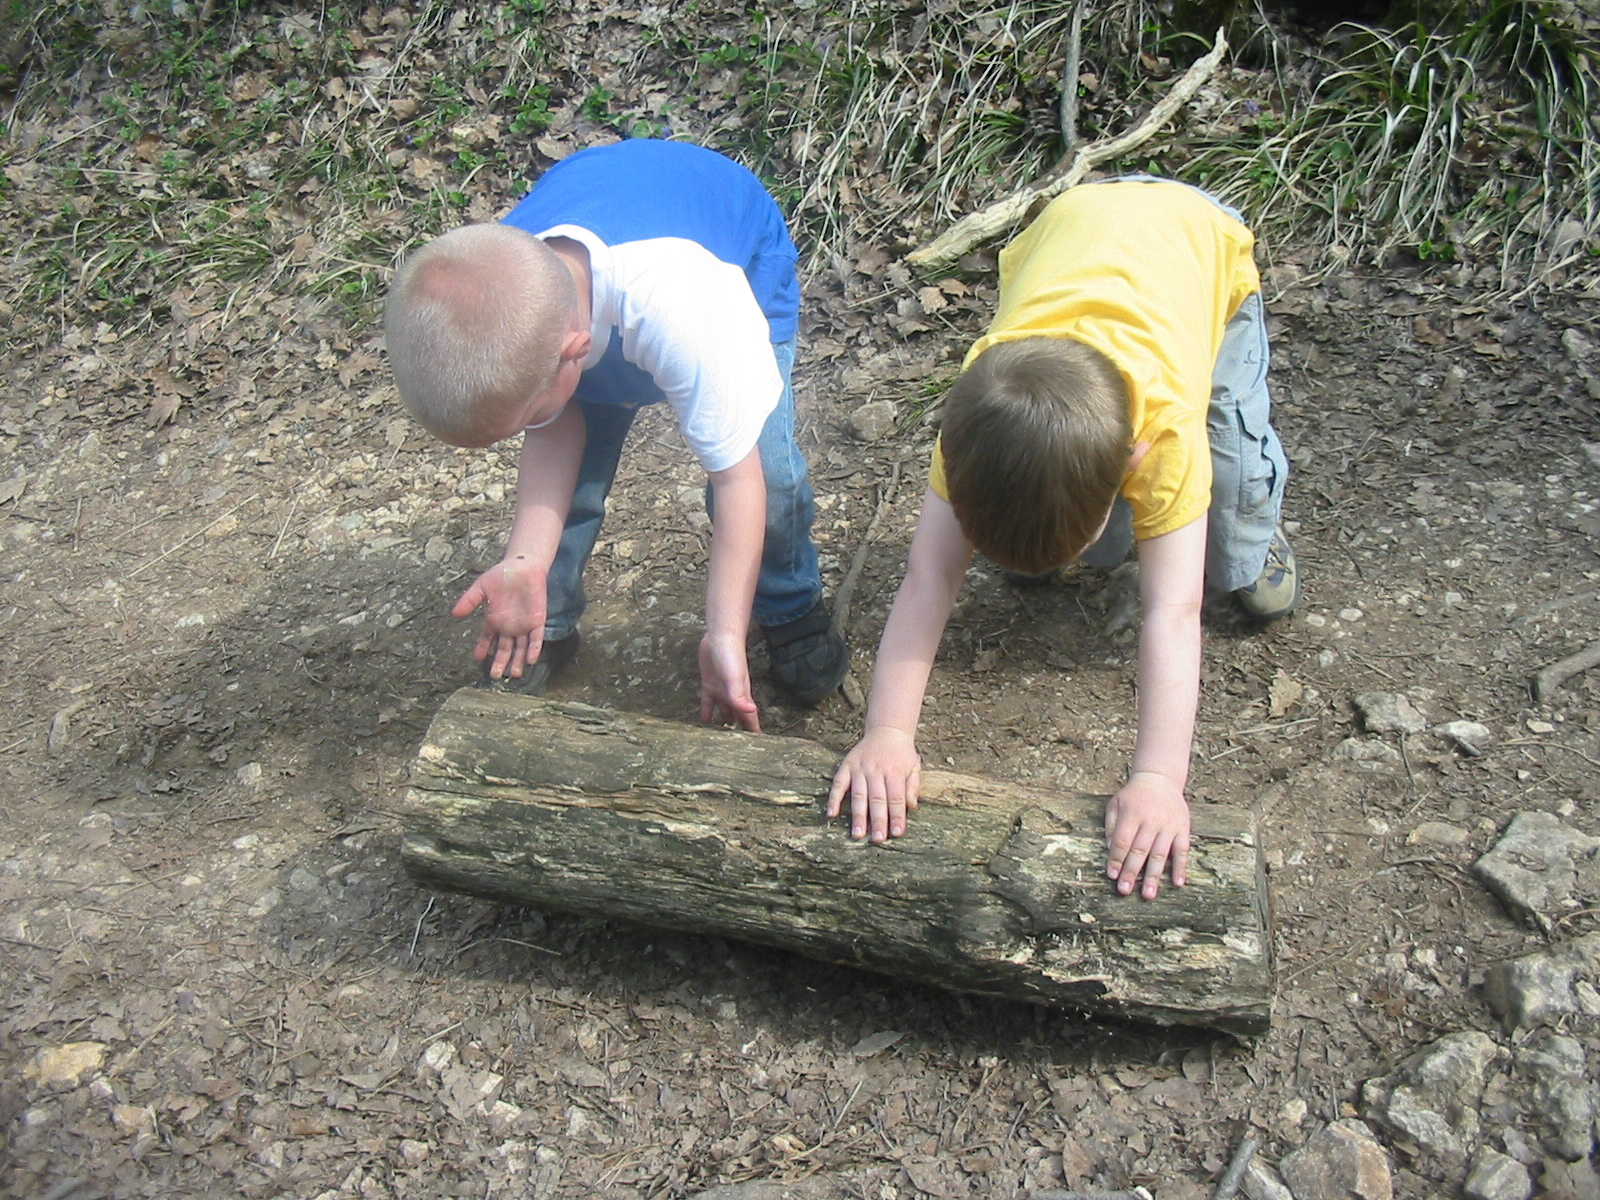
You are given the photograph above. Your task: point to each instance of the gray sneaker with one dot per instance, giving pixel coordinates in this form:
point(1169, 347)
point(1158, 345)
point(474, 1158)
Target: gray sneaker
point(1277, 592)
point(808, 657)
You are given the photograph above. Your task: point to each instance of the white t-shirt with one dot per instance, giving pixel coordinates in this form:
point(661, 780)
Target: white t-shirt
point(691, 322)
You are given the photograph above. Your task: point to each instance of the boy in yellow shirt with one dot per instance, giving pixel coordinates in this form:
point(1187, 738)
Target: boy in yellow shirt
point(1118, 397)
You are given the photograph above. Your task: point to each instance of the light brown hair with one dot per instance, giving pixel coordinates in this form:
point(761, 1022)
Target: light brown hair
point(474, 325)
point(1036, 441)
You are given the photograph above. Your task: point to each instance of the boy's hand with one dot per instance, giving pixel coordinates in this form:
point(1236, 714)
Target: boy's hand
point(883, 778)
point(1147, 823)
point(725, 684)
point(512, 595)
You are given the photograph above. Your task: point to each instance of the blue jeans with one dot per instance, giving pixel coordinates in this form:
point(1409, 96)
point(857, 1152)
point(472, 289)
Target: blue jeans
point(1248, 466)
point(789, 583)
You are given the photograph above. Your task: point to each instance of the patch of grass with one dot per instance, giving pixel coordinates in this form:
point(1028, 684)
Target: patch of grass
point(1465, 137)
point(199, 152)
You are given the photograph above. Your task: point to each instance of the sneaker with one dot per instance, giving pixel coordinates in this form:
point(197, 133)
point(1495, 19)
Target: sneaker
point(535, 680)
point(1277, 592)
point(808, 657)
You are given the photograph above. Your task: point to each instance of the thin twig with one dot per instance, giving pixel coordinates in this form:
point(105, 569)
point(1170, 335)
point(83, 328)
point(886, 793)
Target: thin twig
point(1592, 761)
point(847, 586)
point(1550, 678)
point(293, 505)
point(197, 534)
point(1539, 612)
point(1069, 83)
point(417, 932)
point(1228, 1185)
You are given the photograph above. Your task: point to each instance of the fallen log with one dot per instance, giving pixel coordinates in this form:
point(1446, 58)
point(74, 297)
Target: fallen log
point(997, 889)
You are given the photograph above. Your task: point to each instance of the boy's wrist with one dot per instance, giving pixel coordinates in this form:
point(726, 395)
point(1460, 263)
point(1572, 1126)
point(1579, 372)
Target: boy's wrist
point(871, 730)
point(1152, 776)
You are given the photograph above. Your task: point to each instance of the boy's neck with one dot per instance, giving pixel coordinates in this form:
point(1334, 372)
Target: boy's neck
point(576, 256)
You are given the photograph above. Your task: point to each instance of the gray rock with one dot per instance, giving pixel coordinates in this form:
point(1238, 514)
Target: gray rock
point(1341, 1161)
point(1438, 833)
point(1432, 1099)
point(1517, 1146)
point(1541, 987)
point(1563, 1096)
point(1369, 752)
point(1467, 736)
point(873, 421)
point(1261, 1182)
point(1568, 1181)
point(1493, 1176)
point(1540, 867)
point(1389, 712)
point(1578, 347)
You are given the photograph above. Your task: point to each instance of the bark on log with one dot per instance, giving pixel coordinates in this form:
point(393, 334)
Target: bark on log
point(998, 889)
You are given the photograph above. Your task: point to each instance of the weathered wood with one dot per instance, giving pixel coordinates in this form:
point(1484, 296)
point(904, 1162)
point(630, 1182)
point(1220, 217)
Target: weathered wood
point(997, 889)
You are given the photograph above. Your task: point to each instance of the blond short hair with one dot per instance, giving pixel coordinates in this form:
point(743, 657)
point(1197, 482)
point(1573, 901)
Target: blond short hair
point(474, 325)
point(1036, 438)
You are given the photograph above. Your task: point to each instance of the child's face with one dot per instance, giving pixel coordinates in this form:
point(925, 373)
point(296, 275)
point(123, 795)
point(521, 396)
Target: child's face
point(543, 407)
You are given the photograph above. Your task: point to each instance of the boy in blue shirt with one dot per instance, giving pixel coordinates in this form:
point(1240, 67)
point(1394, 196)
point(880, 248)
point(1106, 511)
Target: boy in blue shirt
point(635, 273)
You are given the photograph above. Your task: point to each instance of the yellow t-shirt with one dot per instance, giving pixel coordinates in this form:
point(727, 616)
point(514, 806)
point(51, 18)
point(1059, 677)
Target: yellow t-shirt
point(1147, 273)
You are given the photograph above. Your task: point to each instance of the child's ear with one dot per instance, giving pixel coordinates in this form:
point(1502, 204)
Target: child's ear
point(1137, 457)
point(575, 347)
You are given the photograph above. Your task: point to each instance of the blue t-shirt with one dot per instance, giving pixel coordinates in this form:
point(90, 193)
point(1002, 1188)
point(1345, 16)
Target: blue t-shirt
point(644, 188)
point(692, 281)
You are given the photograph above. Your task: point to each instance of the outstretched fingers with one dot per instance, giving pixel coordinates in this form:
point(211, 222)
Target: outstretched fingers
point(878, 802)
point(1140, 856)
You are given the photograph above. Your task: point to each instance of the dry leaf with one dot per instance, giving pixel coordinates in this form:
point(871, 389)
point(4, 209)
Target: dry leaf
point(422, 168)
point(1284, 694)
point(871, 261)
point(1426, 333)
point(356, 364)
point(163, 408)
point(876, 1043)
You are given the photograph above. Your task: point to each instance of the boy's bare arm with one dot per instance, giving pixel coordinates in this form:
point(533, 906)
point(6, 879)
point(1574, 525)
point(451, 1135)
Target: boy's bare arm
point(737, 533)
point(882, 774)
point(512, 592)
point(1147, 821)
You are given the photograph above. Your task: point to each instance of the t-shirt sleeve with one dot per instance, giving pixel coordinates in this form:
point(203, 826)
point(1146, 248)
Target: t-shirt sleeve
point(936, 479)
point(692, 322)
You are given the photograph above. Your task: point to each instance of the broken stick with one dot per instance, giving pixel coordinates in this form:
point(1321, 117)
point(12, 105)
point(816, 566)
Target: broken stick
point(1550, 678)
point(985, 223)
point(998, 888)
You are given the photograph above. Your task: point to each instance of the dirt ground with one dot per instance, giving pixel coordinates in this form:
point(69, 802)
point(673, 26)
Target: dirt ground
point(224, 639)
point(223, 634)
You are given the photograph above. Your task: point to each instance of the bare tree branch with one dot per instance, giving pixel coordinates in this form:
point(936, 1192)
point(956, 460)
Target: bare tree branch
point(985, 223)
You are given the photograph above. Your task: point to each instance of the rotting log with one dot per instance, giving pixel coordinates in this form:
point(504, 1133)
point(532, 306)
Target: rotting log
point(997, 889)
